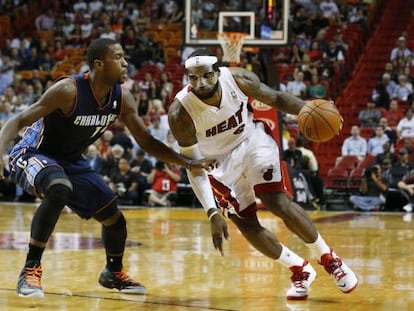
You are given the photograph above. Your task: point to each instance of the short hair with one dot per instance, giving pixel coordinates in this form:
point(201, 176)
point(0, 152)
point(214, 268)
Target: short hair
point(98, 49)
point(201, 52)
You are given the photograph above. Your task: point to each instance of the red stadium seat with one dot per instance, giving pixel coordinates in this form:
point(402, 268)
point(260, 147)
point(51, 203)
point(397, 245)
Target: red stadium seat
point(348, 163)
point(337, 178)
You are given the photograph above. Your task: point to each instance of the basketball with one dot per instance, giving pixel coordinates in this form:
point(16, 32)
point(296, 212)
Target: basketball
point(319, 120)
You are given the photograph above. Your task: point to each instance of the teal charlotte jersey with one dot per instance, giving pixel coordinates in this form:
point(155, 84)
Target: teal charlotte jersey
point(67, 136)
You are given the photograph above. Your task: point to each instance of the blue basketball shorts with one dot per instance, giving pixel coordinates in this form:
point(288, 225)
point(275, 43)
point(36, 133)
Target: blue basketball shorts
point(90, 192)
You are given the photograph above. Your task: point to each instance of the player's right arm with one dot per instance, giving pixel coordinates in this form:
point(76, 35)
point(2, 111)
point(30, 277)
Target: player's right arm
point(61, 96)
point(251, 85)
point(182, 127)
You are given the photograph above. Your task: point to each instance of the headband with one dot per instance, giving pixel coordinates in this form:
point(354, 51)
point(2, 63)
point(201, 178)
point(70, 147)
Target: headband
point(200, 61)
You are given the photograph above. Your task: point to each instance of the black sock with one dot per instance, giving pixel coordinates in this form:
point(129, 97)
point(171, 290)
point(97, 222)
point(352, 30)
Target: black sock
point(114, 237)
point(114, 263)
point(34, 255)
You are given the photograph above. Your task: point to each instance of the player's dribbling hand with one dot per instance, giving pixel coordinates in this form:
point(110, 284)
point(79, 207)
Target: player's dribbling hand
point(3, 161)
point(219, 230)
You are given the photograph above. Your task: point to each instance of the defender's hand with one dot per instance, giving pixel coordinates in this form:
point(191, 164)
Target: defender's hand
point(207, 164)
point(218, 230)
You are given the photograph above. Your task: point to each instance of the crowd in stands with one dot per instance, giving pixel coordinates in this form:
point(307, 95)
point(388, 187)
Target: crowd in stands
point(316, 62)
point(62, 32)
point(385, 134)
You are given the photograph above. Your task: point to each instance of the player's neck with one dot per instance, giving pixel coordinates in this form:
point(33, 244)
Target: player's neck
point(215, 100)
point(100, 89)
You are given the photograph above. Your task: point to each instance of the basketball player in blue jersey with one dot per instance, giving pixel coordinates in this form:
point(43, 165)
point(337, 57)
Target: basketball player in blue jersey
point(48, 160)
point(211, 117)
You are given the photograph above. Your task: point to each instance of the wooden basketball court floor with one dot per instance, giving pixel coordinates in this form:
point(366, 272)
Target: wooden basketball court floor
point(170, 251)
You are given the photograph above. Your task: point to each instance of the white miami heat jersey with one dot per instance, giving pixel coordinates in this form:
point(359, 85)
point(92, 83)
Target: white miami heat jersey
point(219, 129)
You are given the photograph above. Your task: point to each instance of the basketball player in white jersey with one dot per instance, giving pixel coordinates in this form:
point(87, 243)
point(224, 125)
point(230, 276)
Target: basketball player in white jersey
point(211, 118)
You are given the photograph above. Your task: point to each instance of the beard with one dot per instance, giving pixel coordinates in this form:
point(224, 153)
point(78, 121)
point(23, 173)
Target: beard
point(208, 94)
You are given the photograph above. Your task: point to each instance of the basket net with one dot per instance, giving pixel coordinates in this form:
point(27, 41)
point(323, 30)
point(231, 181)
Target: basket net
point(231, 43)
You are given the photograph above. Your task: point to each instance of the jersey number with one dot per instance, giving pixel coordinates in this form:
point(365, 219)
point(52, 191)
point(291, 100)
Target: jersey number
point(98, 131)
point(239, 129)
point(21, 163)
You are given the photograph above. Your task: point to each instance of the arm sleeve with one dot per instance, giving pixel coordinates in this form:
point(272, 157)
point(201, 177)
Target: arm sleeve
point(199, 180)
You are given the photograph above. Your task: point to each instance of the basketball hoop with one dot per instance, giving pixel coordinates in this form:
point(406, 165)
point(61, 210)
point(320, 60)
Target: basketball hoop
point(231, 43)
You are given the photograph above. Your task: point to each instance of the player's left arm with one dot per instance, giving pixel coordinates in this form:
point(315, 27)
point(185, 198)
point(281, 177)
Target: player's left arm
point(251, 85)
point(129, 115)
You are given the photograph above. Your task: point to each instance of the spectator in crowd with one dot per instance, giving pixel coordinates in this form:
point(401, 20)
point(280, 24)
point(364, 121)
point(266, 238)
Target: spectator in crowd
point(340, 42)
point(158, 131)
point(46, 62)
point(166, 89)
point(401, 168)
point(303, 146)
point(297, 87)
point(103, 144)
point(387, 153)
point(389, 69)
point(393, 115)
point(404, 91)
point(372, 190)
point(295, 54)
point(124, 182)
point(334, 53)
point(354, 145)
point(121, 138)
point(390, 85)
point(142, 166)
point(95, 160)
point(143, 102)
point(176, 14)
point(292, 155)
point(369, 117)
point(148, 85)
point(163, 179)
point(380, 96)
point(405, 127)
point(376, 143)
point(31, 61)
point(58, 51)
point(401, 62)
point(6, 113)
point(45, 21)
point(315, 53)
point(110, 162)
point(172, 142)
point(407, 190)
point(407, 143)
point(407, 72)
point(329, 9)
point(401, 47)
point(316, 89)
point(392, 134)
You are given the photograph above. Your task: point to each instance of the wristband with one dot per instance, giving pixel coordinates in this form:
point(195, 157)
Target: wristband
point(212, 214)
point(189, 163)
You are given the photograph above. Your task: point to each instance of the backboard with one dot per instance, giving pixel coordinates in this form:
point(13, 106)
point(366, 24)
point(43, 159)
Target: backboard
point(264, 21)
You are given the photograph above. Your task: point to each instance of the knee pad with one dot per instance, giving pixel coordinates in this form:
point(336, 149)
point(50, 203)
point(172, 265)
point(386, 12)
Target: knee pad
point(45, 178)
point(58, 194)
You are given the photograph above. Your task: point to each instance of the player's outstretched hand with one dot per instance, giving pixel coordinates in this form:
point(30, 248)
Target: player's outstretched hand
point(219, 230)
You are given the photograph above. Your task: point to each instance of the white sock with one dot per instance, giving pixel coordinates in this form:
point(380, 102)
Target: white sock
point(319, 247)
point(289, 258)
